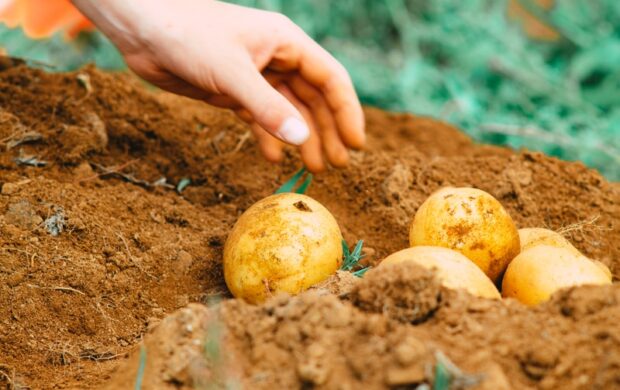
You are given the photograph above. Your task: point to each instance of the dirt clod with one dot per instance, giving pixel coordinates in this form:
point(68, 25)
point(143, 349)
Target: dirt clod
point(405, 292)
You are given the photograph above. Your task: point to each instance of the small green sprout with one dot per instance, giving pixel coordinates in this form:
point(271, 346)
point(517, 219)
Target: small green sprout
point(448, 375)
point(141, 368)
point(184, 182)
point(290, 184)
point(442, 377)
point(351, 259)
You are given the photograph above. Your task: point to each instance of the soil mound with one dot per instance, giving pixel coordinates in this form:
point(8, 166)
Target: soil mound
point(97, 246)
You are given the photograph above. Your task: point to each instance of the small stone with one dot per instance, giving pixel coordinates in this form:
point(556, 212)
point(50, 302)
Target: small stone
point(15, 279)
point(409, 350)
point(84, 171)
point(480, 306)
point(184, 261)
point(397, 376)
point(494, 378)
point(9, 188)
point(77, 223)
point(22, 214)
point(368, 252)
point(182, 300)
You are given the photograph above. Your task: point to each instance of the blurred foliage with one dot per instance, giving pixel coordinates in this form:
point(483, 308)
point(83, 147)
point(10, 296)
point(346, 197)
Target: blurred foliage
point(59, 54)
point(467, 63)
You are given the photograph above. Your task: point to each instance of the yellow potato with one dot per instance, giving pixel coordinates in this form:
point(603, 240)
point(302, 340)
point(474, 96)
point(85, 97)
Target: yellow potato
point(470, 221)
point(454, 270)
point(540, 271)
point(283, 243)
point(605, 269)
point(531, 237)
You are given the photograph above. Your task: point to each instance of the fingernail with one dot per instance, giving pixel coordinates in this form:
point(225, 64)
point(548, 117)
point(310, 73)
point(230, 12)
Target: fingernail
point(294, 131)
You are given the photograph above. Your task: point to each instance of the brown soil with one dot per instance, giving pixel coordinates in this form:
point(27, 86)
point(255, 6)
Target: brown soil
point(95, 251)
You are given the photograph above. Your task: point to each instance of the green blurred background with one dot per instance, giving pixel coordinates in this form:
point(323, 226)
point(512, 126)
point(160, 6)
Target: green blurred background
point(465, 62)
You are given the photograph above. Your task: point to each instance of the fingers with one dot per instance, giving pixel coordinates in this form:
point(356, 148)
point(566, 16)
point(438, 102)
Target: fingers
point(327, 75)
point(270, 147)
point(244, 115)
point(311, 150)
point(324, 72)
point(271, 111)
point(332, 143)
point(322, 116)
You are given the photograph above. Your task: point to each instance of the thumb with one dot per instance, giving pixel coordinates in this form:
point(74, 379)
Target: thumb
point(271, 111)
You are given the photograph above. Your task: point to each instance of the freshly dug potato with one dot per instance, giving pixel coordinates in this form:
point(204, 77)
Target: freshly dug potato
point(540, 271)
point(604, 268)
point(531, 237)
point(454, 270)
point(283, 243)
point(470, 221)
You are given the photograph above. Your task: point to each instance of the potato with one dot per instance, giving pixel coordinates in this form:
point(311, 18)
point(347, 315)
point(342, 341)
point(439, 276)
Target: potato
point(283, 243)
point(470, 221)
point(604, 268)
point(531, 237)
point(540, 271)
point(454, 270)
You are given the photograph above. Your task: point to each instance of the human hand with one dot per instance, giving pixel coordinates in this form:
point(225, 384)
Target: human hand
point(257, 63)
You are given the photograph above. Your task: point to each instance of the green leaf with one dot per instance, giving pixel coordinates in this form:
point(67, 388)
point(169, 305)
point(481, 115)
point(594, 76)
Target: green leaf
point(304, 186)
point(351, 259)
point(345, 249)
point(442, 377)
point(357, 251)
point(141, 368)
point(290, 183)
point(361, 272)
point(184, 182)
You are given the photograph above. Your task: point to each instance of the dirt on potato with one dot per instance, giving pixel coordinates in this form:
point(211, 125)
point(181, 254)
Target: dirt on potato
point(99, 252)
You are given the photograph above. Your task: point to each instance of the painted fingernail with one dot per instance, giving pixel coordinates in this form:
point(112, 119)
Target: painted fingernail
point(294, 131)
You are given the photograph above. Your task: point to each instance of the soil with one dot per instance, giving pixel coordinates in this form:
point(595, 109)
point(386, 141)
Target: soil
point(99, 251)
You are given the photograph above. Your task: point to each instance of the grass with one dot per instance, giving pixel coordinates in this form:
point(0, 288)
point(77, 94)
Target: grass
point(290, 184)
point(442, 377)
point(351, 259)
point(141, 368)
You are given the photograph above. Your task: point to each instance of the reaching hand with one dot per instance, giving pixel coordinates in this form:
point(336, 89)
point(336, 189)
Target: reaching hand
point(257, 63)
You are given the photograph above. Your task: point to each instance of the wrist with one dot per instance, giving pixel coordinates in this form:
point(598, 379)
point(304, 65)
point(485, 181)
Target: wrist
point(121, 21)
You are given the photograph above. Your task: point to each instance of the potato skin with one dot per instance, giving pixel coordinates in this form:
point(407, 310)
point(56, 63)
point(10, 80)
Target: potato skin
point(453, 270)
point(282, 243)
point(470, 221)
point(604, 268)
point(531, 237)
point(535, 274)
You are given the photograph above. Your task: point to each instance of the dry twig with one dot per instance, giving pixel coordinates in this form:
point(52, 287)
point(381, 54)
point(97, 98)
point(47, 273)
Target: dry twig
point(580, 226)
point(242, 140)
point(58, 288)
point(132, 258)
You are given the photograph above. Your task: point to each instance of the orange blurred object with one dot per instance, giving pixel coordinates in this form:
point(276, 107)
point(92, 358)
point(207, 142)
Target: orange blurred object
point(533, 27)
point(43, 18)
